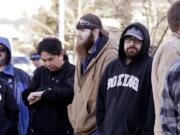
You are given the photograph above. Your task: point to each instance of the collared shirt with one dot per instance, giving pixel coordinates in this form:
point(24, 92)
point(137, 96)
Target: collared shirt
point(91, 53)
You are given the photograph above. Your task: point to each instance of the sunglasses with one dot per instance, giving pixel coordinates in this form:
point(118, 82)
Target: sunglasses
point(128, 40)
point(86, 23)
point(3, 50)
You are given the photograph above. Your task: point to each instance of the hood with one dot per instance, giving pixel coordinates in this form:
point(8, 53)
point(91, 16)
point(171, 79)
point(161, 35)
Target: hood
point(145, 46)
point(5, 42)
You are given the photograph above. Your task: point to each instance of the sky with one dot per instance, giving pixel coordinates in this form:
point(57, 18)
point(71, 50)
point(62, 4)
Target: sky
point(14, 9)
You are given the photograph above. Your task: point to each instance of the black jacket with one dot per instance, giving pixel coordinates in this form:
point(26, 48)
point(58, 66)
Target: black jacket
point(49, 115)
point(8, 111)
point(125, 103)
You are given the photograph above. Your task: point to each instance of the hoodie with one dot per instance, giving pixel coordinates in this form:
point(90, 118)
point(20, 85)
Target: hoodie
point(18, 80)
point(124, 103)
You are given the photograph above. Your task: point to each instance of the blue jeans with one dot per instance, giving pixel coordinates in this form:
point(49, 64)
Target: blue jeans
point(96, 132)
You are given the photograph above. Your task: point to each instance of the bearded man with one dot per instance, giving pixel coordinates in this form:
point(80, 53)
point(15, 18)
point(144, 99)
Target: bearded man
point(17, 80)
point(125, 102)
point(95, 50)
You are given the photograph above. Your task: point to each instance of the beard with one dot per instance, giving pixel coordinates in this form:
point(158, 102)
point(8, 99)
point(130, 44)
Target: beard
point(131, 52)
point(83, 47)
point(3, 61)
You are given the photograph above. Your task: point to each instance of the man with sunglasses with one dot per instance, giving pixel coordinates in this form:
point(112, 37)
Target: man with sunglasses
point(95, 50)
point(125, 101)
point(17, 79)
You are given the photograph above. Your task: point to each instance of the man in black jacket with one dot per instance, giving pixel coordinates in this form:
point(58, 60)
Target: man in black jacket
point(125, 103)
point(8, 111)
point(50, 91)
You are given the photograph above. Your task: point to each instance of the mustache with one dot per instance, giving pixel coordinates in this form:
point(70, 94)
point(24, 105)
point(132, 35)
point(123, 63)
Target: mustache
point(132, 48)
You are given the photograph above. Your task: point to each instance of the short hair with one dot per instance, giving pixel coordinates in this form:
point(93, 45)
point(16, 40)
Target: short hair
point(51, 45)
point(173, 16)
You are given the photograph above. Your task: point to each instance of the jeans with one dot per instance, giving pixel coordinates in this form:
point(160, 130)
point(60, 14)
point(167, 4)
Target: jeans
point(96, 132)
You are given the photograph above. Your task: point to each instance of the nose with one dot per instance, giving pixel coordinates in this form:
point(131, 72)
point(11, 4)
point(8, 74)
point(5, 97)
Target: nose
point(132, 42)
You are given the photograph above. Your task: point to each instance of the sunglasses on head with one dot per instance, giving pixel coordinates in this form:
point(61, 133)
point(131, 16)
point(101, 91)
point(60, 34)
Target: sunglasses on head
point(86, 23)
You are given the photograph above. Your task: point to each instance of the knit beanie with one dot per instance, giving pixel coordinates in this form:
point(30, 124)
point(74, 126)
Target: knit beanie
point(89, 21)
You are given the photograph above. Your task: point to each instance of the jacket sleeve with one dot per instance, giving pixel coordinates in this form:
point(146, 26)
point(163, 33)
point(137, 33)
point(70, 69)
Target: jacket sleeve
point(12, 112)
point(33, 86)
point(63, 94)
point(170, 113)
point(163, 58)
point(148, 126)
point(101, 103)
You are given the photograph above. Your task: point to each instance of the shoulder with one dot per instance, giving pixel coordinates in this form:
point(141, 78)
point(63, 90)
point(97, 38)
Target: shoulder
point(19, 71)
point(68, 66)
point(171, 44)
point(111, 46)
point(113, 64)
point(71, 65)
point(149, 60)
point(110, 50)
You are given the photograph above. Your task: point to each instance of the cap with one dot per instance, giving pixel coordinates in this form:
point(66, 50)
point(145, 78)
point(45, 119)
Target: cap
point(135, 32)
point(89, 21)
point(35, 56)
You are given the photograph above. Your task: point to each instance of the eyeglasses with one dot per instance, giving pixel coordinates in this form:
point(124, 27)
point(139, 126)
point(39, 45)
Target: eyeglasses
point(3, 50)
point(128, 40)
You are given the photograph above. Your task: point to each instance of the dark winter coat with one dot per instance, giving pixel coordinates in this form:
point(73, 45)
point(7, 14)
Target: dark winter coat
point(49, 115)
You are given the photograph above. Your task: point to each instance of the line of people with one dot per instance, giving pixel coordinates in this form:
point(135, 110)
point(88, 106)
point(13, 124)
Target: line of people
point(112, 90)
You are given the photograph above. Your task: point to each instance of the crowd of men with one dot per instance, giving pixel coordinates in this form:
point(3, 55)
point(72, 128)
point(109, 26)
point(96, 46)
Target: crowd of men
point(111, 90)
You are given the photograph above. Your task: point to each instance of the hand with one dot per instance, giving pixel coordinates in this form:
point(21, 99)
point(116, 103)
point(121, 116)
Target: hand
point(34, 97)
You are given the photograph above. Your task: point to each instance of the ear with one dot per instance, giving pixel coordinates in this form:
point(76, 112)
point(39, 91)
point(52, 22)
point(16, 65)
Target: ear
point(61, 56)
point(96, 33)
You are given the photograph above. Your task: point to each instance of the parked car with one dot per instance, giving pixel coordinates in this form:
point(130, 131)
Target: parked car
point(23, 62)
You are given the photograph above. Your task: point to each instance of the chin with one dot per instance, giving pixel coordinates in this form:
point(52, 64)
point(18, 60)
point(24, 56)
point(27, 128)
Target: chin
point(50, 69)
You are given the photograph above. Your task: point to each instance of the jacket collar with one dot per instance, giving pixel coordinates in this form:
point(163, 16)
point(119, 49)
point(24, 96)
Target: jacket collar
point(8, 70)
point(93, 61)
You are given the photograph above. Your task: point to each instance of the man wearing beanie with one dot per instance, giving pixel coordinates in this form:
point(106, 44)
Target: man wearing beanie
point(95, 50)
